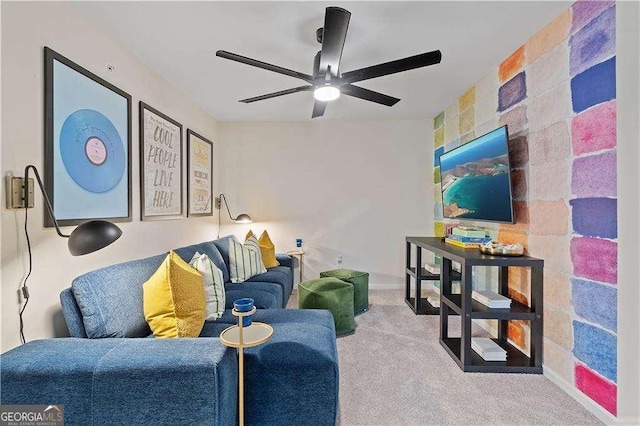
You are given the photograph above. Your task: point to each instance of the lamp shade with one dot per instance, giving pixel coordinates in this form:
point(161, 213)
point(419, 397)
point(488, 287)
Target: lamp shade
point(92, 236)
point(243, 218)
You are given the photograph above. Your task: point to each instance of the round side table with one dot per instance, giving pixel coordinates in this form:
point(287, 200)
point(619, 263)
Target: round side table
point(241, 337)
point(299, 253)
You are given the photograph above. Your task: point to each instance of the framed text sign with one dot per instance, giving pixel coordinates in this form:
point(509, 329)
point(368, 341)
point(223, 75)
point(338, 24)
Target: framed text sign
point(199, 171)
point(160, 165)
point(87, 144)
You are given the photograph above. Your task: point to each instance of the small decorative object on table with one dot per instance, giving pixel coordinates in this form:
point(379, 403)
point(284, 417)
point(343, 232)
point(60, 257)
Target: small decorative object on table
point(238, 337)
point(244, 305)
point(497, 249)
point(299, 243)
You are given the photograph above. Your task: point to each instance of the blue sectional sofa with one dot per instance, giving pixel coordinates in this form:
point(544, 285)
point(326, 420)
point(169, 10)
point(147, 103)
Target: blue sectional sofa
point(109, 372)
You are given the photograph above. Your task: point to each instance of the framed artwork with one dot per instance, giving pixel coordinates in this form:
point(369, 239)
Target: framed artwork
point(199, 172)
point(160, 165)
point(87, 148)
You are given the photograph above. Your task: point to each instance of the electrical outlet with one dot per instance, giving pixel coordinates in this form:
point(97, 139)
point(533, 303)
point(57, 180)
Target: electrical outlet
point(339, 260)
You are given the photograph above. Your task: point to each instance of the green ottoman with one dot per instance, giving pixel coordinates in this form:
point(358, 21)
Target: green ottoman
point(332, 294)
point(360, 282)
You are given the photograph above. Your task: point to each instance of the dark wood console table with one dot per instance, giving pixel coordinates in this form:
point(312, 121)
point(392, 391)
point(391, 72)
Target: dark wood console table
point(462, 304)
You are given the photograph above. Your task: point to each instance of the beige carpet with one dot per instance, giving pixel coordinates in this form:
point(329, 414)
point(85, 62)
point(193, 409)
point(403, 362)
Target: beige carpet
point(393, 371)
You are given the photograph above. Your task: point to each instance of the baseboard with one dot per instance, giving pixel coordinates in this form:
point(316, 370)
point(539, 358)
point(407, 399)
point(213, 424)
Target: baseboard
point(373, 287)
point(386, 286)
point(602, 414)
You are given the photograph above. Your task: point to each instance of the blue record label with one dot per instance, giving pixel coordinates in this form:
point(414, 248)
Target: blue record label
point(92, 150)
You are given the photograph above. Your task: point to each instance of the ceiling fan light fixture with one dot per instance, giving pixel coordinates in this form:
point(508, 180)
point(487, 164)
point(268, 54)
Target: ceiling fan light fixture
point(326, 93)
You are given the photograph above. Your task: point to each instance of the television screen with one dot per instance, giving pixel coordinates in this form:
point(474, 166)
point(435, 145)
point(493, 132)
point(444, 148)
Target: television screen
point(476, 179)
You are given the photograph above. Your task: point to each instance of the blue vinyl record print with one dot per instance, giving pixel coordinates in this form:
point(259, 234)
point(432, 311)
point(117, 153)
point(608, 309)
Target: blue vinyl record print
point(92, 151)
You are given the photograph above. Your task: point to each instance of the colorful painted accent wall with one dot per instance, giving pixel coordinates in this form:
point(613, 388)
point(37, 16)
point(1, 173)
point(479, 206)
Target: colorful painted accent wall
point(557, 94)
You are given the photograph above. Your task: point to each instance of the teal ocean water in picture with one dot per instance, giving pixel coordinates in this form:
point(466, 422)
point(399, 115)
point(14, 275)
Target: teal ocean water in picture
point(485, 196)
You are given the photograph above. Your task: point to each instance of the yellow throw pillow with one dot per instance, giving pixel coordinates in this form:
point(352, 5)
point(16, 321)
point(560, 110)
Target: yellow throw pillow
point(268, 251)
point(249, 235)
point(173, 299)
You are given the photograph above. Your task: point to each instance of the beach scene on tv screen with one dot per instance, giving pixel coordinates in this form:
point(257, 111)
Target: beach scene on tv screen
point(475, 179)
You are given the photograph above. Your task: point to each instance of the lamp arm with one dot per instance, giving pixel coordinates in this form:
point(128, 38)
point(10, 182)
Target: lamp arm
point(227, 205)
point(44, 194)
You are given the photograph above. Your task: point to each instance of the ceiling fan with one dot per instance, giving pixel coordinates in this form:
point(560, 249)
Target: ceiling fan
point(327, 82)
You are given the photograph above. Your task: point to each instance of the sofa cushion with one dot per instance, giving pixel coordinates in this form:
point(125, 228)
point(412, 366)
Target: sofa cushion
point(174, 301)
point(280, 275)
point(110, 299)
point(213, 285)
point(264, 294)
point(245, 260)
point(211, 250)
point(125, 381)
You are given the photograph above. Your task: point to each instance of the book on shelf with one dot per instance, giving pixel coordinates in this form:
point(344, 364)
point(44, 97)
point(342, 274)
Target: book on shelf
point(467, 231)
point(455, 287)
point(434, 301)
point(488, 349)
point(432, 268)
point(481, 240)
point(491, 299)
point(461, 244)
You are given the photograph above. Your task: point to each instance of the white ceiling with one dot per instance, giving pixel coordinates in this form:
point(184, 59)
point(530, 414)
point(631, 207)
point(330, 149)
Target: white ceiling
point(179, 40)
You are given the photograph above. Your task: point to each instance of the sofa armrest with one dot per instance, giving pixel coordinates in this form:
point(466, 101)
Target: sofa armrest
point(125, 381)
point(284, 260)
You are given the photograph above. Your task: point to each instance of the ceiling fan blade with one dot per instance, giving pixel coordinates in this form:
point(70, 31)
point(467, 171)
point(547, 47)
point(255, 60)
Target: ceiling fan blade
point(276, 94)
point(405, 64)
point(318, 108)
point(368, 95)
point(334, 33)
point(264, 65)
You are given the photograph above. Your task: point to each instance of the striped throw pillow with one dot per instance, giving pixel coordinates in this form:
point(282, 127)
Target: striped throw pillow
point(245, 260)
point(213, 285)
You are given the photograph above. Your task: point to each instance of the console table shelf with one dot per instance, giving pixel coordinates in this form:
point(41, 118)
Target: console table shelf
point(420, 305)
point(459, 348)
point(480, 311)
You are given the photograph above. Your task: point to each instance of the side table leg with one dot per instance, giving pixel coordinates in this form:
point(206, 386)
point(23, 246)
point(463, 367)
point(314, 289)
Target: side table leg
point(241, 385)
point(301, 267)
point(240, 371)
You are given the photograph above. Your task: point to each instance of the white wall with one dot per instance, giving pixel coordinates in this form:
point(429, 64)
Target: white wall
point(26, 28)
point(351, 189)
point(628, 99)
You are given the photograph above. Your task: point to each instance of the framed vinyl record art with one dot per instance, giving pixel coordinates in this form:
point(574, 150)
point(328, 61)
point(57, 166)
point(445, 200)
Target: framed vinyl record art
point(160, 165)
point(87, 144)
point(199, 172)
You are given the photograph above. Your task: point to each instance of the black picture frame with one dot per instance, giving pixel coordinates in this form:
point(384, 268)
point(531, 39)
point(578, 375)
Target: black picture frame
point(99, 146)
point(168, 157)
point(199, 201)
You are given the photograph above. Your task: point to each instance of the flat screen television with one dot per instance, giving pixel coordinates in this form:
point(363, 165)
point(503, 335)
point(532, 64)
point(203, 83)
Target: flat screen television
point(476, 179)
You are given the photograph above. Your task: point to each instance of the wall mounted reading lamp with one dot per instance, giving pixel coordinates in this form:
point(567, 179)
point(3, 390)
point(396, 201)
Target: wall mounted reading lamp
point(86, 238)
point(241, 218)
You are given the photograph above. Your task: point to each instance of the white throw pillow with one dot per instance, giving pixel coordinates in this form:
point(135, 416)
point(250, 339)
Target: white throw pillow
point(213, 285)
point(245, 260)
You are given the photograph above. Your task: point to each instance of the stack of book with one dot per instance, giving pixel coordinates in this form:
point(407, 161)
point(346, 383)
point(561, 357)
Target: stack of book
point(455, 287)
point(488, 349)
point(491, 299)
point(432, 268)
point(467, 231)
point(434, 301)
point(466, 242)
